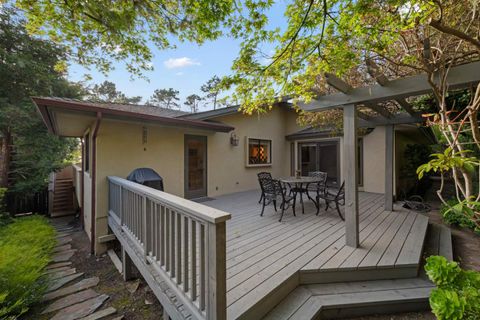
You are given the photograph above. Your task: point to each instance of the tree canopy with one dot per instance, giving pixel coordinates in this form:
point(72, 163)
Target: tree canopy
point(165, 98)
point(107, 92)
point(211, 89)
point(28, 68)
point(192, 101)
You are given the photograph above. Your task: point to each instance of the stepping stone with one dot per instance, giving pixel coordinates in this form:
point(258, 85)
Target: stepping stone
point(70, 300)
point(118, 318)
point(80, 310)
point(61, 274)
point(63, 256)
point(62, 248)
point(57, 284)
point(101, 314)
point(79, 286)
point(64, 240)
point(58, 265)
point(50, 271)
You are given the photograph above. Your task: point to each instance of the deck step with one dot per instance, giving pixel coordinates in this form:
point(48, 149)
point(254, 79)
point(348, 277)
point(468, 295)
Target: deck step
point(439, 241)
point(346, 299)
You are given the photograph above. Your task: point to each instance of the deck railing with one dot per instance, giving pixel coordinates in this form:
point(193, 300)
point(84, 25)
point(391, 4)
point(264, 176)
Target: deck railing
point(185, 242)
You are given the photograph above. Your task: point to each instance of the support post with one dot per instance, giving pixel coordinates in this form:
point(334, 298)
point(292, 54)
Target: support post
point(217, 272)
point(351, 175)
point(389, 147)
point(127, 266)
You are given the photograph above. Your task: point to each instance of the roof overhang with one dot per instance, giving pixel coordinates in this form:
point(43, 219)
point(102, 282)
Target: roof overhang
point(70, 118)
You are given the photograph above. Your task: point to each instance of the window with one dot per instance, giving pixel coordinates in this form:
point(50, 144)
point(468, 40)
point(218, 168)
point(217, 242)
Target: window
point(87, 153)
point(259, 152)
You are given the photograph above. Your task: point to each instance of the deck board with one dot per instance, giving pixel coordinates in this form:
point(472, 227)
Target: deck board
point(263, 254)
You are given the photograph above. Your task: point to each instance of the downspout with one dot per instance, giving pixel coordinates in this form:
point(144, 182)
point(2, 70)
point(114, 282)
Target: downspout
point(94, 180)
point(82, 187)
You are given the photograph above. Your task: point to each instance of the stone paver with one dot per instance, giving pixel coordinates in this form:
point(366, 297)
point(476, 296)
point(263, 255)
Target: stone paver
point(62, 273)
point(62, 248)
point(101, 314)
point(50, 271)
point(64, 240)
point(57, 284)
point(70, 300)
point(79, 286)
point(63, 256)
point(58, 265)
point(80, 310)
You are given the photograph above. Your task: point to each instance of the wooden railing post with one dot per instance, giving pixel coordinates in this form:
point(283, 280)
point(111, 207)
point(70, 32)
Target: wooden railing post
point(120, 206)
point(217, 271)
point(144, 228)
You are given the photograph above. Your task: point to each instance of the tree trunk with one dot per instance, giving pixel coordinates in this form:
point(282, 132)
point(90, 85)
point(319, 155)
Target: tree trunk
point(5, 158)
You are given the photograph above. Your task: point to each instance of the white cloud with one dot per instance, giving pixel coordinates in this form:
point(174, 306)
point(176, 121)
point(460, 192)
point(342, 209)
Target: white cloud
point(173, 63)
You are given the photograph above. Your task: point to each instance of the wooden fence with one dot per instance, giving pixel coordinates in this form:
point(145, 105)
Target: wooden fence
point(184, 241)
point(18, 203)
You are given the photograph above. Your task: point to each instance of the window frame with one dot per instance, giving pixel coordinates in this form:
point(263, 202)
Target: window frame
point(247, 152)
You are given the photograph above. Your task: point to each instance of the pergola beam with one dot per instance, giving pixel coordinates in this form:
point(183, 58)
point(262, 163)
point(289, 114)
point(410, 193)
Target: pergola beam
point(379, 109)
point(458, 77)
point(338, 83)
point(374, 71)
point(406, 106)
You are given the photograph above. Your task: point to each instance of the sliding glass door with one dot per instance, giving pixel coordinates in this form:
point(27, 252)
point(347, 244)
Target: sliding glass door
point(320, 156)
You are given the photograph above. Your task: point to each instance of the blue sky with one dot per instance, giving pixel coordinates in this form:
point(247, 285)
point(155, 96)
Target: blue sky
point(185, 69)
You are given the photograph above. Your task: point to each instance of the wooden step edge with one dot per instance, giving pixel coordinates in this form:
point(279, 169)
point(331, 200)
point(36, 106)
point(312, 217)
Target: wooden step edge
point(359, 274)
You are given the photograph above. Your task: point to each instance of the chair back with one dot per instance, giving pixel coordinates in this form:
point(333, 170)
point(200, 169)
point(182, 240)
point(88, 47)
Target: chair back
point(341, 192)
point(319, 174)
point(264, 175)
point(267, 185)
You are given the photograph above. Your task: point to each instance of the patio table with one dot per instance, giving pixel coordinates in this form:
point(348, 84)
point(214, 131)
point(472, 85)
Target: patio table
point(300, 188)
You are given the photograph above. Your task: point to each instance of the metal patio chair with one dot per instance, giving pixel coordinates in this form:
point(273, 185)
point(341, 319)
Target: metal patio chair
point(336, 197)
point(274, 192)
point(319, 187)
point(263, 175)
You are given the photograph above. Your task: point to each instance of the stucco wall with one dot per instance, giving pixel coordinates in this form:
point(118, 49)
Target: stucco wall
point(374, 161)
point(227, 170)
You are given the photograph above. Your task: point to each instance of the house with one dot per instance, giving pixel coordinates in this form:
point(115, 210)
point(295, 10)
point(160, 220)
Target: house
point(210, 153)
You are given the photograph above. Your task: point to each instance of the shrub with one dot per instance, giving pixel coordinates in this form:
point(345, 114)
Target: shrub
point(4, 216)
point(26, 247)
point(457, 295)
point(456, 217)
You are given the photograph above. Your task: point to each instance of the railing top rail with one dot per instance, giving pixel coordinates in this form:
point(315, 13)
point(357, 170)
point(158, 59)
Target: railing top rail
point(197, 210)
point(77, 167)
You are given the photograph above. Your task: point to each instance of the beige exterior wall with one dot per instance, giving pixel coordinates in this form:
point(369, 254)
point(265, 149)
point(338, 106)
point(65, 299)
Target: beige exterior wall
point(374, 161)
point(227, 164)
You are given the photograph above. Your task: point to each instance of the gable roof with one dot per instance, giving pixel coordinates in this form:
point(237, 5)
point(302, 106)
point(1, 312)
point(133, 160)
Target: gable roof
point(49, 107)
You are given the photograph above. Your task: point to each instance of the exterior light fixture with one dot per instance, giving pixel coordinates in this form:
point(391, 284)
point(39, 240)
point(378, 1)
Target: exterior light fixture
point(233, 139)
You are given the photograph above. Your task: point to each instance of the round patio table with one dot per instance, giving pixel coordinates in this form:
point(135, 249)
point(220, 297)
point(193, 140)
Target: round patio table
point(299, 187)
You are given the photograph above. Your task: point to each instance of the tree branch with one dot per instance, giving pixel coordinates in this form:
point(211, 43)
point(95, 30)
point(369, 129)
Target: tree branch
point(454, 32)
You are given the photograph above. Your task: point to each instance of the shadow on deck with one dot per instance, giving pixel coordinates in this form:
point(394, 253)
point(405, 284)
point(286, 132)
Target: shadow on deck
point(267, 260)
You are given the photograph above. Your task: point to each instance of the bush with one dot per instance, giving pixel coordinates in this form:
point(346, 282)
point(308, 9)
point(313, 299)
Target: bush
point(456, 217)
point(26, 247)
point(457, 295)
point(4, 216)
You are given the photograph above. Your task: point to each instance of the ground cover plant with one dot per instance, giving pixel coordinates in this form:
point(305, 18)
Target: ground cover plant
point(457, 295)
point(26, 247)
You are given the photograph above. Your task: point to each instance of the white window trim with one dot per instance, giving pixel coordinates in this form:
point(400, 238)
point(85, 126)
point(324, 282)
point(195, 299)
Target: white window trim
point(259, 165)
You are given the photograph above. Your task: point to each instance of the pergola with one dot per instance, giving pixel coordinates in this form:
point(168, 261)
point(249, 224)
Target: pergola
point(370, 96)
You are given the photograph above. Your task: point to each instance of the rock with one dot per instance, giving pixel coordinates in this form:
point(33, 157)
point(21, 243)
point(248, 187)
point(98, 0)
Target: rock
point(70, 300)
point(62, 248)
point(62, 273)
point(80, 310)
point(101, 314)
point(58, 265)
point(63, 241)
point(148, 302)
point(63, 256)
point(57, 284)
point(79, 286)
point(132, 286)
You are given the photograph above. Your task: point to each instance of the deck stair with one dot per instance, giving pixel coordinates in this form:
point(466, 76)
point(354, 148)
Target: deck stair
point(63, 198)
point(355, 298)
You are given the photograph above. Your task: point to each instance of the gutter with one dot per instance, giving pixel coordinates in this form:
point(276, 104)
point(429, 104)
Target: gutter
point(94, 181)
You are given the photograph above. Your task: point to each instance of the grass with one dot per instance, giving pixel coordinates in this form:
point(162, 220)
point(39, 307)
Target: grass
point(26, 247)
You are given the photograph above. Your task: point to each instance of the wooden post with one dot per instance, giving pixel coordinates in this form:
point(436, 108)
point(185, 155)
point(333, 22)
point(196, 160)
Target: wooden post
point(351, 175)
point(120, 207)
point(389, 150)
point(127, 266)
point(217, 271)
point(146, 247)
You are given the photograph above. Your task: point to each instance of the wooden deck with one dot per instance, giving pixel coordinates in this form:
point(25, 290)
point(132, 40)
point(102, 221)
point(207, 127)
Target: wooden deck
point(267, 259)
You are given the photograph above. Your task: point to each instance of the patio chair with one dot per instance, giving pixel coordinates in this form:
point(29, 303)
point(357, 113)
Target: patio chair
point(319, 187)
point(263, 175)
point(274, 191)
point(336, 197)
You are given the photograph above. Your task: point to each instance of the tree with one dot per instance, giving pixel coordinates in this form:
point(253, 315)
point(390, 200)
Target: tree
point(101, 31)
point(165, 98)
point(192, 101)
point(29, 67)
point(211, 89)
point(107, 92)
